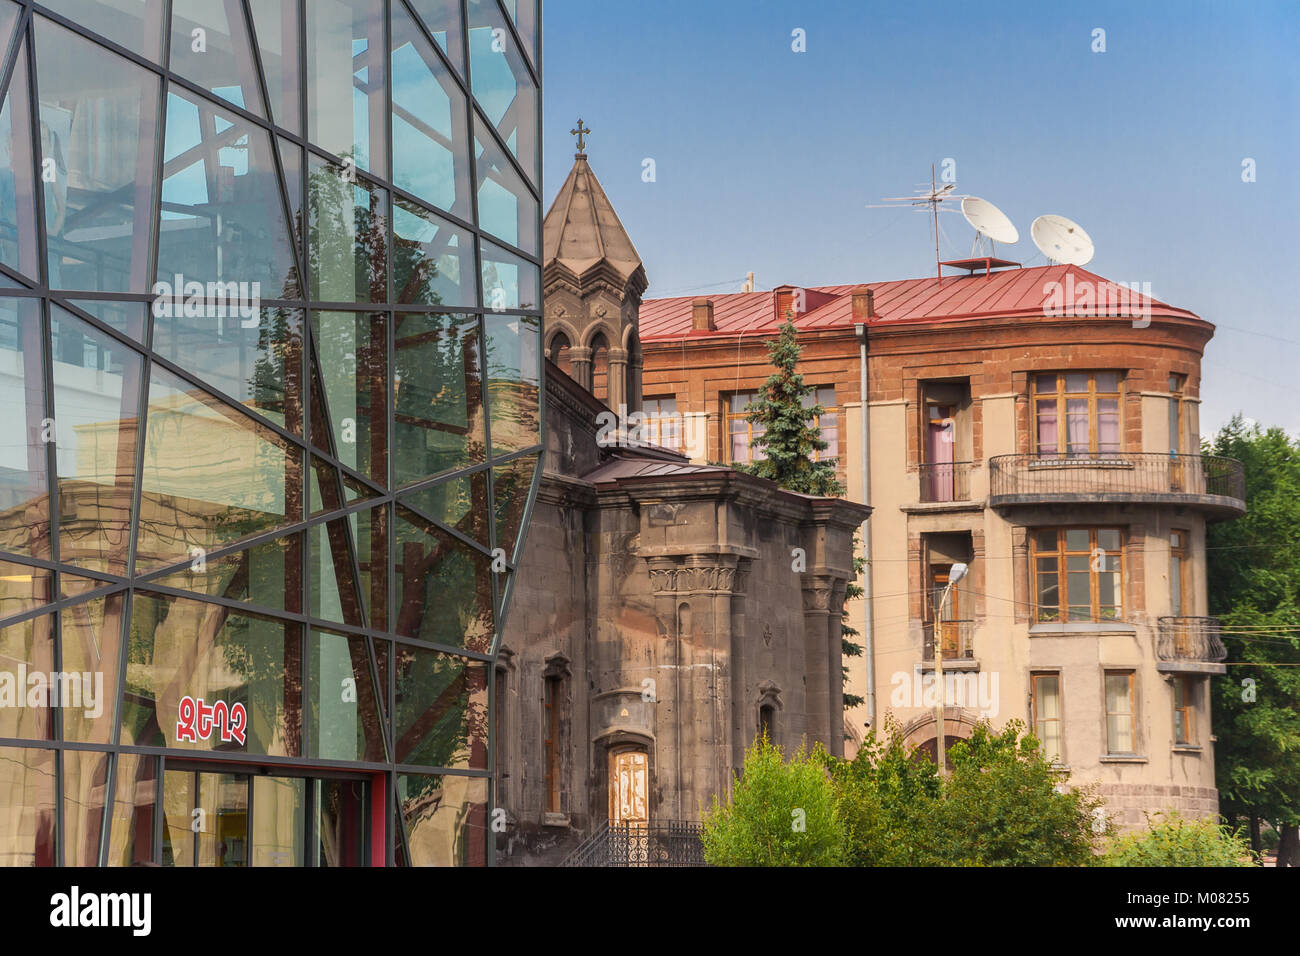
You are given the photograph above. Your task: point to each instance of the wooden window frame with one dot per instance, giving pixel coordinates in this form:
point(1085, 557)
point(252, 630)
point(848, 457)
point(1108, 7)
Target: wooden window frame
point(1179, 551)
point(1062, 422)
point(1177, 420)
point(1059, 720)
point(1132, 710)
point(652, 427)
point(1188, 710)
point(1061, 553)
point(728, 416)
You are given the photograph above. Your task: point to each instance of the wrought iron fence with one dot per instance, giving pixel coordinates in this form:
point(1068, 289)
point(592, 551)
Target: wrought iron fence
point(1118, 474)
point(957, 638)
point(1189, 639)
point(641, 844)
point(945, 481)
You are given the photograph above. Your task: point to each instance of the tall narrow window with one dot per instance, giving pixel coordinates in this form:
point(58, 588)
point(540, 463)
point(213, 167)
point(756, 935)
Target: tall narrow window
point(663, 424)
point(1184, 711)
point(552, 725)
point(1119, 712)
point(767, 723)
point(741, 431)
point(1176, 384)
point(1045, 690)
point(1078, 574)
point(1076, 414)
point(1178, 591)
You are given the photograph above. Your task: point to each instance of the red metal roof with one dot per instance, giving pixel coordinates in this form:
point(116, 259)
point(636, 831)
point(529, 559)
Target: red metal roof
point(1013, 292)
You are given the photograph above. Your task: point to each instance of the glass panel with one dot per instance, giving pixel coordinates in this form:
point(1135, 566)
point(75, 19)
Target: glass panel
point(85, 795)
point(1049, 598)
point(279, 821)
point(267, 574)
point(333, 586)
point(345, 80)
point(1119, 725)
point(460, 503)
point(442, 19)
point(445, 818)
point(1079, 587)
point(433, 261)
point(256, 361)
point(326, 488)
point(1108, 589)
point(291, 164)
point(1108, 539)
point(1045, 540)
point(370, 533)
point(223, 822)
point(430, 138)
point(1107, 381)
point(99, 128)
point(441, 709)
point(18, 246)
point(513, 377)
point(136, 25)
point(1048, 440)
point(210, 47)
point(509, 282)
point(502, 85)
point(134, 809)
point(27, 650)
point(276, 25)
point(351, 348)
point(1076, 424)
point(341, 823)
point(505, 206)
point(444, 587)
point(512, 483)
point(179, 792)
point(524, 15)
point(1108, 426)
point(211, 475)
point(1045, 383)
point(349, 236)
point(187, 658)
point(1077, 539)
point(90, 636)
point(223, 240)
point(129, 318)
point(23, 588)
point(27, 814)
point(341, 699)
point(96, 408)
point(1175, 585)
point(438, 417)
point(1076, 381)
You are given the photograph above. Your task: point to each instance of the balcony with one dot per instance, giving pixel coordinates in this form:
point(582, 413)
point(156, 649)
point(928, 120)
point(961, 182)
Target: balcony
point(945, 481)
point(1214, 485)
point(1190, 645)
point(957, 638)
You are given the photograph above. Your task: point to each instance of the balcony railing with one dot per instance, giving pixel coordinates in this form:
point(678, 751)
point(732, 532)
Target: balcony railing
point(1189, 639)
point(641, 844)
point(945, 481)
point(956, 638)
point(1217, 484)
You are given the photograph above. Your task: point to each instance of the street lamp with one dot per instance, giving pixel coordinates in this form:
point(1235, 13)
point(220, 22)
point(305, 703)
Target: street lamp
point(955, 574)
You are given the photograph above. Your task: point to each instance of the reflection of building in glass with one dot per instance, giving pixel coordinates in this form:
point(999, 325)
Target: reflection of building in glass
point(270, 362)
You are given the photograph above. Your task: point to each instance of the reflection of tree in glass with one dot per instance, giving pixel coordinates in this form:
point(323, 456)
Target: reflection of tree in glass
point(441, 718)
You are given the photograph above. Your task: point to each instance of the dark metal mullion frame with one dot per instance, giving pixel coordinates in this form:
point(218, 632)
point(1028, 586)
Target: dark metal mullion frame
point(16, 43)
point(534, 69)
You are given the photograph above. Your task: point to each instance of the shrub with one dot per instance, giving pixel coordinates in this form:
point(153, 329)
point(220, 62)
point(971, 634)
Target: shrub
point(1177, 841)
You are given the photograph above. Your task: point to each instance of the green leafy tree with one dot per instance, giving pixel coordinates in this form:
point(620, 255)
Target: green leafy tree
point(1176, 841)
point(849, 647)
point(1254, 587)
point(779, 813)
point(789, 437)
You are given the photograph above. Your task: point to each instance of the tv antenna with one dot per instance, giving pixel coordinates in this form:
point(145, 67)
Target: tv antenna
point(934, 196)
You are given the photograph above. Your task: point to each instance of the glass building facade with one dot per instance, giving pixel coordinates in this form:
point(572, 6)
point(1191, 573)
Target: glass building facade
point(270, 390)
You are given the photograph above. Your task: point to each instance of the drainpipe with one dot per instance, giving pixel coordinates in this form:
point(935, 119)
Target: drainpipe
point(868, 636)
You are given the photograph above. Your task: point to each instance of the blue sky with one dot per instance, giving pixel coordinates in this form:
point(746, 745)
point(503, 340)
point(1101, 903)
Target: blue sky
point(765, 158)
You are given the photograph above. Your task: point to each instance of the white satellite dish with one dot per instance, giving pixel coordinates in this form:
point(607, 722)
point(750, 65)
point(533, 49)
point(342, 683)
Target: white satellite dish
point(1062, 240)
point(988, 220)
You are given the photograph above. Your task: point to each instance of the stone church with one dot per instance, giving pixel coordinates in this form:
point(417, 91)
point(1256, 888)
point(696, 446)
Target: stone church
point(664, 612)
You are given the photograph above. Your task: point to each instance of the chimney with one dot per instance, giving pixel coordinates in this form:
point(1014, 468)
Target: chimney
point(749, 283)
point(864, 303)
point(784, 301)
point(702, 315)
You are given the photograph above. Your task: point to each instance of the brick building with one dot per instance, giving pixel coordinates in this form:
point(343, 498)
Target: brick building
point(1037, 424)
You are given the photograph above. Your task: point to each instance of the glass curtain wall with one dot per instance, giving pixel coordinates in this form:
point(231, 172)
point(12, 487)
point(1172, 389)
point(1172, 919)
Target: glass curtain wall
point(270, 324)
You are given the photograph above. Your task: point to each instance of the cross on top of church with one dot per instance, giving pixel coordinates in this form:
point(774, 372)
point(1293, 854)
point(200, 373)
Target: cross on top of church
point(580, 133)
